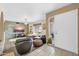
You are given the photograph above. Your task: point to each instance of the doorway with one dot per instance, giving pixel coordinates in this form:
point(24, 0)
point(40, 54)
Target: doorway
point(51, 33)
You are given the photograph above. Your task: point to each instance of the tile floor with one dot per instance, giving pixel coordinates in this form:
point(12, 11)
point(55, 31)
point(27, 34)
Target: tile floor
point(45, 50)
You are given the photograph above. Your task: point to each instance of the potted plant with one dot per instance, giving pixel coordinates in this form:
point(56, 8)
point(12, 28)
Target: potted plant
point(49, 40)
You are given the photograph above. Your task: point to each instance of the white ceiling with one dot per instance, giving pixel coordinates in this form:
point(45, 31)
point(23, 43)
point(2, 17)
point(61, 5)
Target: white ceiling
point(31, 11)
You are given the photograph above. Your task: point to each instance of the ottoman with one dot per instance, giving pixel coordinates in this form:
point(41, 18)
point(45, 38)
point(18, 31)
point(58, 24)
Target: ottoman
point(37, 42)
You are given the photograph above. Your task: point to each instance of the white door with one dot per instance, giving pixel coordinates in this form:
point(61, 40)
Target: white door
point(65, 31)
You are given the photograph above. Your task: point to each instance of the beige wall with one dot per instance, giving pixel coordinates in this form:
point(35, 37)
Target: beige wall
point(1, 32)
point(1, 26)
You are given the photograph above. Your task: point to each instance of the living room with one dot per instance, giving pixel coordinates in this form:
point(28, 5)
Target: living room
point(39, 29)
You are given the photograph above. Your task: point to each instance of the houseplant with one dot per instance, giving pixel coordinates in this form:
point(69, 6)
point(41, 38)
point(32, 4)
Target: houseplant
point(49, 40)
